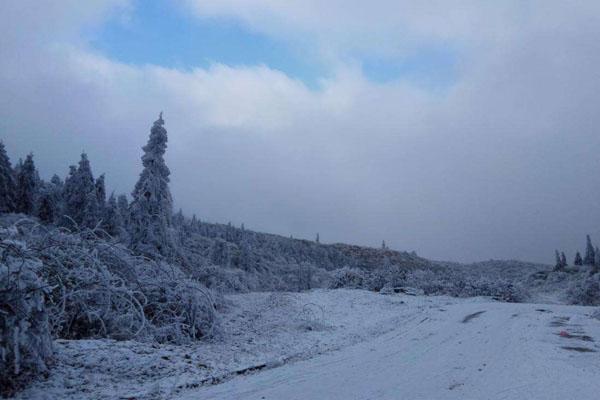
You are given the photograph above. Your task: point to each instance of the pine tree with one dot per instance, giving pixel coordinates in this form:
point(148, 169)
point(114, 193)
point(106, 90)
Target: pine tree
point(48, 203)
point(563, 260)
point(597, 263)
point(558, 265)
point(152, 205)
point(318, 239)
point(179, 219)
point(78, 187)
point(112, 221)
point(590, 254)
point(68, 190)
point(578, 260)
point(91, 213)
point(55, 180)
point(18, 167)
point(26, 186)
point(8, 188)
point(123, 206)
point(101, 192)
point(383, 246)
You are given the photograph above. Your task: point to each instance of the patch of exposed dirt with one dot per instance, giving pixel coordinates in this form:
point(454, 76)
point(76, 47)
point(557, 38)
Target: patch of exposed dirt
point(472, 316)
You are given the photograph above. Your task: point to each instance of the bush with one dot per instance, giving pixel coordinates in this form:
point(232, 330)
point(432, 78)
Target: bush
point(225, 280)
point(25, 340)
point(585, 292)
point(101, 289)
point(448, 282)
point(178, 309)
point(347, 278)
point(386, 276)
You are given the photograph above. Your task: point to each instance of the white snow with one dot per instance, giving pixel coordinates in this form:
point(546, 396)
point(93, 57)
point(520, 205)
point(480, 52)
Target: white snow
point(349, 344)
point(506, 351)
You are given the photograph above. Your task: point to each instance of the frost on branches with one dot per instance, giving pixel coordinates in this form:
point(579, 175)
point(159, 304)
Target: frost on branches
point(25, 341)
point(152, 205)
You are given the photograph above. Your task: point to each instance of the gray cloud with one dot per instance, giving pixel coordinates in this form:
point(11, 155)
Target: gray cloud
point(502, 165)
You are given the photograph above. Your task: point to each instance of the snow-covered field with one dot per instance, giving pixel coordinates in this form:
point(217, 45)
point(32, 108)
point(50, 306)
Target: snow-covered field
point(349, 344)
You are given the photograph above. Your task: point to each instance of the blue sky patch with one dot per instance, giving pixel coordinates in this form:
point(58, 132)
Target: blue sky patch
point(162, 34)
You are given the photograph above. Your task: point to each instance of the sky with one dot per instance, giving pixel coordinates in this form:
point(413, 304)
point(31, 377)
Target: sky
point(462, 130)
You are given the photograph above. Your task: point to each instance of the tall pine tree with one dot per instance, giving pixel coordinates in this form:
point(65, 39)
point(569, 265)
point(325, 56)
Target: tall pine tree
point(8, 187)
point(101, 191)
point(48, 204)
point(91, 213)
point(78, 187)
point(27, 182)
point(123, 206)
point(558, 264)
point(112, 221)
point(151, 208)
point(563, 260)
point(590, 253)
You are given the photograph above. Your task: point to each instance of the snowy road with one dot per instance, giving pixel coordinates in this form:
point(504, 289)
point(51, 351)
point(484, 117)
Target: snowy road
point(475, 350)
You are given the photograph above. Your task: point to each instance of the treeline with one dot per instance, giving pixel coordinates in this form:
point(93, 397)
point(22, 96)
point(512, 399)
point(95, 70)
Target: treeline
point(80, 200)
point(591, 259)
point(148, 226)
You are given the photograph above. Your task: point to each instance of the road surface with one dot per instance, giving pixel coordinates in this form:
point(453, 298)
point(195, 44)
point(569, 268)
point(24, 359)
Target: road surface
point(478, 350)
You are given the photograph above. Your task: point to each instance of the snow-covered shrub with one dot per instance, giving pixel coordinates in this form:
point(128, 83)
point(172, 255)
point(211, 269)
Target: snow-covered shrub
point(557, 276)
point(178, 309)
point(25, 340)
point(101, 289)
point(427, 280)
point(225, 280)
point(500, 290)
point(450, 282)
point(347, 278)
point(585, 291)
point(91, 293)
point(386, 276)
point(304, 276)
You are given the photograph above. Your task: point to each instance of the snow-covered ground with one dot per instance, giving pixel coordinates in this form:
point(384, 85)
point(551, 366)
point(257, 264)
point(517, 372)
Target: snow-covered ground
point(349, 344)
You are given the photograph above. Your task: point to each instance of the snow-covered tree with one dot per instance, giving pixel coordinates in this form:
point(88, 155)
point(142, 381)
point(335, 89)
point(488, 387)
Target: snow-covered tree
point(383, 245)
point(91, 213)
point(558, 265)
point(8, 187)
point(151, 208)
point(123, 206)
point(101, 191)
point(590, 254)
point(48, 203)
point(563, 260)
point(179, 219)
point(68, 190)
point(317, 239)
point(112, 221)
point(578, 259)
point(26, 186)
point(18, 167)
point(78, 186)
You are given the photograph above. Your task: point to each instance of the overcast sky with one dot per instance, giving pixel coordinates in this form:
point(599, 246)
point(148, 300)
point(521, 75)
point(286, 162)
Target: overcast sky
point(464, 130)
